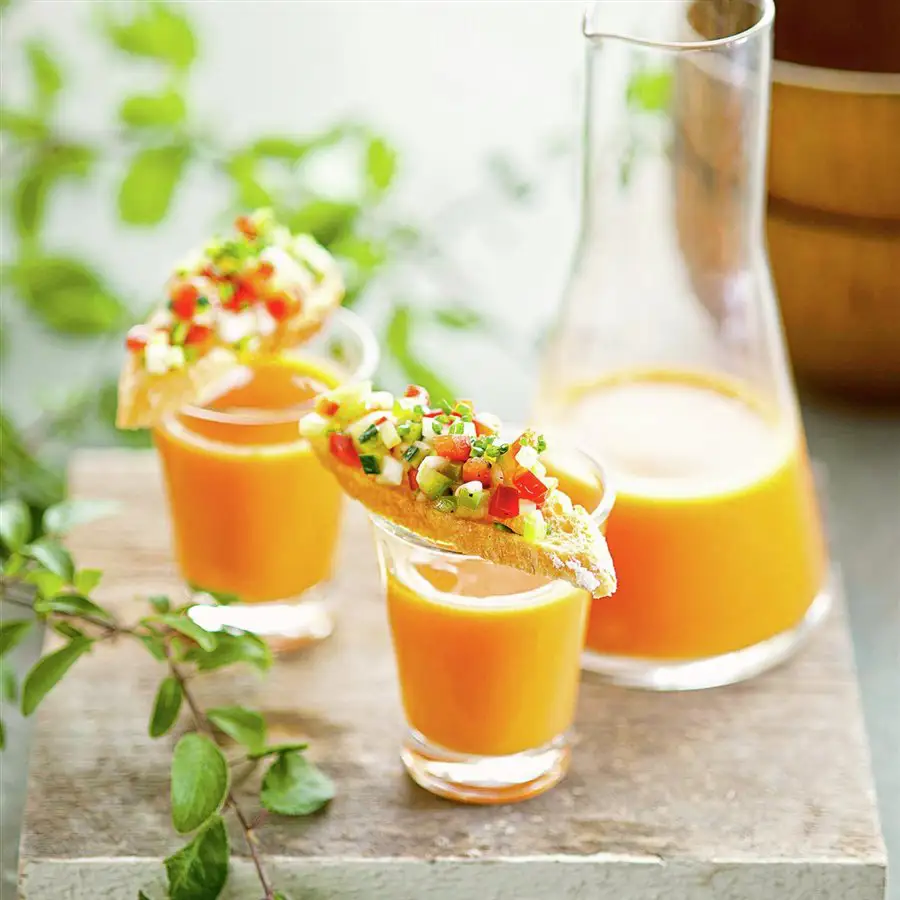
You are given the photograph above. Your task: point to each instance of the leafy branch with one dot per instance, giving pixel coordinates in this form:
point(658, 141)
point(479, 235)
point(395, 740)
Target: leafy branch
point(40, 577)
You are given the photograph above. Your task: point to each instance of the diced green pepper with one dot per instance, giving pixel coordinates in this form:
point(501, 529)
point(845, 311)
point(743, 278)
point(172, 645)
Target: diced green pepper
point(469, 499)
point(445, 504)
point(371, 464)
point(453, 471)
point(534, 528)
point(415, 453)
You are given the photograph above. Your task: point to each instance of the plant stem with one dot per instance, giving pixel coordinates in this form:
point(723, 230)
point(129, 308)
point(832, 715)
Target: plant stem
point(202, 725)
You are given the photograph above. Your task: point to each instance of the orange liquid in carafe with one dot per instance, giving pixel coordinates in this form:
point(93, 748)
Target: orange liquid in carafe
point(715, 533)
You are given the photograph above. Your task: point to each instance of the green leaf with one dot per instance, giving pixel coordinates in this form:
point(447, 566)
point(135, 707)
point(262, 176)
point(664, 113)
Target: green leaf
point(285, 148)
point(276, 749)
point(381, 163)
point(278, 895)
point(53, 557)
point(326, 220)
point(245, 726)
point(153, 111)
point(23, 126)
point(166, 707)
point(47, 583)
point(160, 603)
point(87, 579)
point(199, 870)
point(650, 91)
point(14, 564)
point(66, 630)
point(12, 632)
point(242, 169)
point(48, 671)
point(75, 160)
point(158, 31)
point(459, 318)
point(230, 649)
point(9, 687)
point(29, 200)
point(142, 896)
point(2, 735)
point(204, 639)
point(293, 786)
point(148, 187)
point(15, 524)
point(221, 598)
point(508, 178)
point(63, 517)
point(398, 339)
point(71, 605)
point(199, 782)
point(155, 645)
point(45, 73)
point(67, 296)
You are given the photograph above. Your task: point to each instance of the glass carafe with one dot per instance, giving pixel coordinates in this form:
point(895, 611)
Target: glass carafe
point(668, 360)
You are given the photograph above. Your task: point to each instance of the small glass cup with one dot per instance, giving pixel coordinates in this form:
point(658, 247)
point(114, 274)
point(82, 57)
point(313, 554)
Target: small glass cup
point(254, 515)
point(488, 659)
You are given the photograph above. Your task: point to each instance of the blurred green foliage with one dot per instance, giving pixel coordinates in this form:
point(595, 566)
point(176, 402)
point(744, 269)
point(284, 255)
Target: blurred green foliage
point(158, 130)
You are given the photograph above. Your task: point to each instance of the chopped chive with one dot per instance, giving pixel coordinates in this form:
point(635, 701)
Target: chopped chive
point(477, 451)
point(445, 406)
point(419, 410)
point(541, 444)
point(457, 428)
point(370, 464)
point(370, 433)
point(438, 428)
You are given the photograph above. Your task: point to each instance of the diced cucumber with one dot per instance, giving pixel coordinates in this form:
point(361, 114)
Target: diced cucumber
point(453, 470)
point(410, 431)
point(313, 426)
point(470, 495)
point(445, 504)
point(369, 434)
point(415, 453)
point(432, 483)
point(534, 528)
point(391, 471)
point(389, 436)
point(371, 464)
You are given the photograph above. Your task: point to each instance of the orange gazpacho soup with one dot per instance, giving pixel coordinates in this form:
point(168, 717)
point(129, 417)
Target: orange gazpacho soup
point(715, 531)
point(253, 512)
point(487, 656)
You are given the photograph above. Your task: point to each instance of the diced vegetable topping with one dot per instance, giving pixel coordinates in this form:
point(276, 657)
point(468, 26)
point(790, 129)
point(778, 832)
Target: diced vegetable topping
point(449, 455)
point(238, 288)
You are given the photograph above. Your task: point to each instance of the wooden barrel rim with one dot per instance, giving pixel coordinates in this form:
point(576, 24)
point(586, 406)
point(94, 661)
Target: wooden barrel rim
point(823, 218)
point(841, 81)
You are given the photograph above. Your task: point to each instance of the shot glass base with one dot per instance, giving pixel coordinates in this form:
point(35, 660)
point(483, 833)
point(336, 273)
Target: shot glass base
point(485, 779)
point(285, 625)
point(712, 671)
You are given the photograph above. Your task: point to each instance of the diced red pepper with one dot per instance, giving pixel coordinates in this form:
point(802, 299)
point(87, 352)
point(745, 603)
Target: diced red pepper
point(455, 447)
point(137, 338)
point(431, 413)
point(265, 270)
point(184, 299)
point(197, 334)
point(341, 446)
point(482, 429)
point(413, 479)
point(477, 470)
point(245, 227)
point(326, 407)
point(380, 421)
point(209, 272)
point(419, 393)
point(504, 502)
point(279, 306)
point(530, 487)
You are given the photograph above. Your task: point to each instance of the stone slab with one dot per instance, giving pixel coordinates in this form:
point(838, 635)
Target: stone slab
point(761, 790)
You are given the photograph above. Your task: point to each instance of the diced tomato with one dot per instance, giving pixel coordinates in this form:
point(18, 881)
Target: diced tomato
point(209, 272)
point(244, 294)
point(530, 487)
point(481, 428)
point(279, 306)
point(413, 479)
point(197, 334)
point(184, 299)
point(455, 447)
point(380, 421)
point(341, 446)
point(326, 407)
point(265, 270)
point(431, 413)
point(137, 338)
point(245, 227)
point(504, 502)
point(477, 470)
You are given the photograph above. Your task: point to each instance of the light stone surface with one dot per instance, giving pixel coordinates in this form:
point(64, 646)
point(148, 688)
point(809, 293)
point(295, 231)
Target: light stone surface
point(756, 791)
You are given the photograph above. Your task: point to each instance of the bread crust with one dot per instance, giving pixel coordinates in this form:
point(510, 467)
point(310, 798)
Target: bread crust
point(575, 551)
point(145, 399)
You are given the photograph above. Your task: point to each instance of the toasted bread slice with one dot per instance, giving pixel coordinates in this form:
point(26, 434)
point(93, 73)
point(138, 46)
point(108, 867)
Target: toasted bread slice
point(448, 475)
point(574, 550)
point(275, 293)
